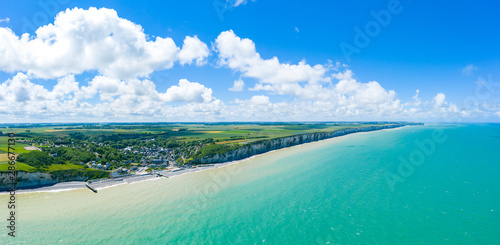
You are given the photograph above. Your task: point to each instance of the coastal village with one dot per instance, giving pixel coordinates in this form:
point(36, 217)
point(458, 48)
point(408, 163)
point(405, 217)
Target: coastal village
point(140, 159)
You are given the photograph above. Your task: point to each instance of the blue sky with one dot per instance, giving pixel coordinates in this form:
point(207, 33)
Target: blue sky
point(446, 50)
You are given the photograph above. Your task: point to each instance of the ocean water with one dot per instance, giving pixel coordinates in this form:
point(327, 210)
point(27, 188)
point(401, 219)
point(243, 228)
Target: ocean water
point(435, 184)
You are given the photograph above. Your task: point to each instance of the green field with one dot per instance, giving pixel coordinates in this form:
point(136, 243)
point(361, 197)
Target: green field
point(18, 147)
point(221, 133)
point(4, 167)
point(250, 132)
point(192, 132)
point(55, 167)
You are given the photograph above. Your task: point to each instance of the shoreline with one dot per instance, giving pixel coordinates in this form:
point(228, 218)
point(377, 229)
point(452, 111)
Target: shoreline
point(108, 183)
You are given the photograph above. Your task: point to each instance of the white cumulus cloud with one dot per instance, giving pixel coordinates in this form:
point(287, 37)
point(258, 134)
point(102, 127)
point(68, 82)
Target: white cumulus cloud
point(238, 85)
point(306, 82)
point(123, 56)
point(439, 99)
point(240, 54)
point(21, 89)
point(193, 49)
point(106, 99)
point(260, 99)
point(188, 91)
point(95, 39)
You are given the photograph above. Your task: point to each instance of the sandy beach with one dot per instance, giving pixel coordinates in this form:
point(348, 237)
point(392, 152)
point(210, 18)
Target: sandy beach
point(107, 183)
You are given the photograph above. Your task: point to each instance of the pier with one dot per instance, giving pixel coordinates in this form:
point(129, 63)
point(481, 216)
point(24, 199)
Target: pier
point(90, 187)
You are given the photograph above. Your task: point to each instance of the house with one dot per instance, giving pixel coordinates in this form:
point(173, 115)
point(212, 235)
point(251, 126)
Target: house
point(115, 174)
point(157, 161)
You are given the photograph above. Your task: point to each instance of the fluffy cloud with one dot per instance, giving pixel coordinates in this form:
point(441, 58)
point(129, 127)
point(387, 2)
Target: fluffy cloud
point(417, 101)
point(439, 99)
point(109, 89)
point(109, 99)
point(240, 55)
point(193, 49)
point(105, 98)
point(64, 86)
point(95, 39)
point(188, 92)
point(436, 109)
point(306, 82)
point(324, 92)
point(237, 86)
point(20, 89)
point(260, 100)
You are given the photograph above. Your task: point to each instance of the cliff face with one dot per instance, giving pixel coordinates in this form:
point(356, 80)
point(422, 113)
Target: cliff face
point(26, 179)
point(278, 143)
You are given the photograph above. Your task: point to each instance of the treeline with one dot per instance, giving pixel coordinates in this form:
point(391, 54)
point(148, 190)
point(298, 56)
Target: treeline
point(121, 127)
point(38, 159)
point(72, 174)
point(72, 155)
point(213, 149)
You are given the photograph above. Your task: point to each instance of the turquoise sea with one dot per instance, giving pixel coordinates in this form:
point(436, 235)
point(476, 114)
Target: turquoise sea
point(434, 184)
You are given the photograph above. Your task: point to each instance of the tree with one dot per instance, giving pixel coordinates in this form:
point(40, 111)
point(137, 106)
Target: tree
point(38, 159)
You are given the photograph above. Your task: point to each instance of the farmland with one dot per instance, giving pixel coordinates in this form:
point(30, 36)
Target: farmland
point(18, 147)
